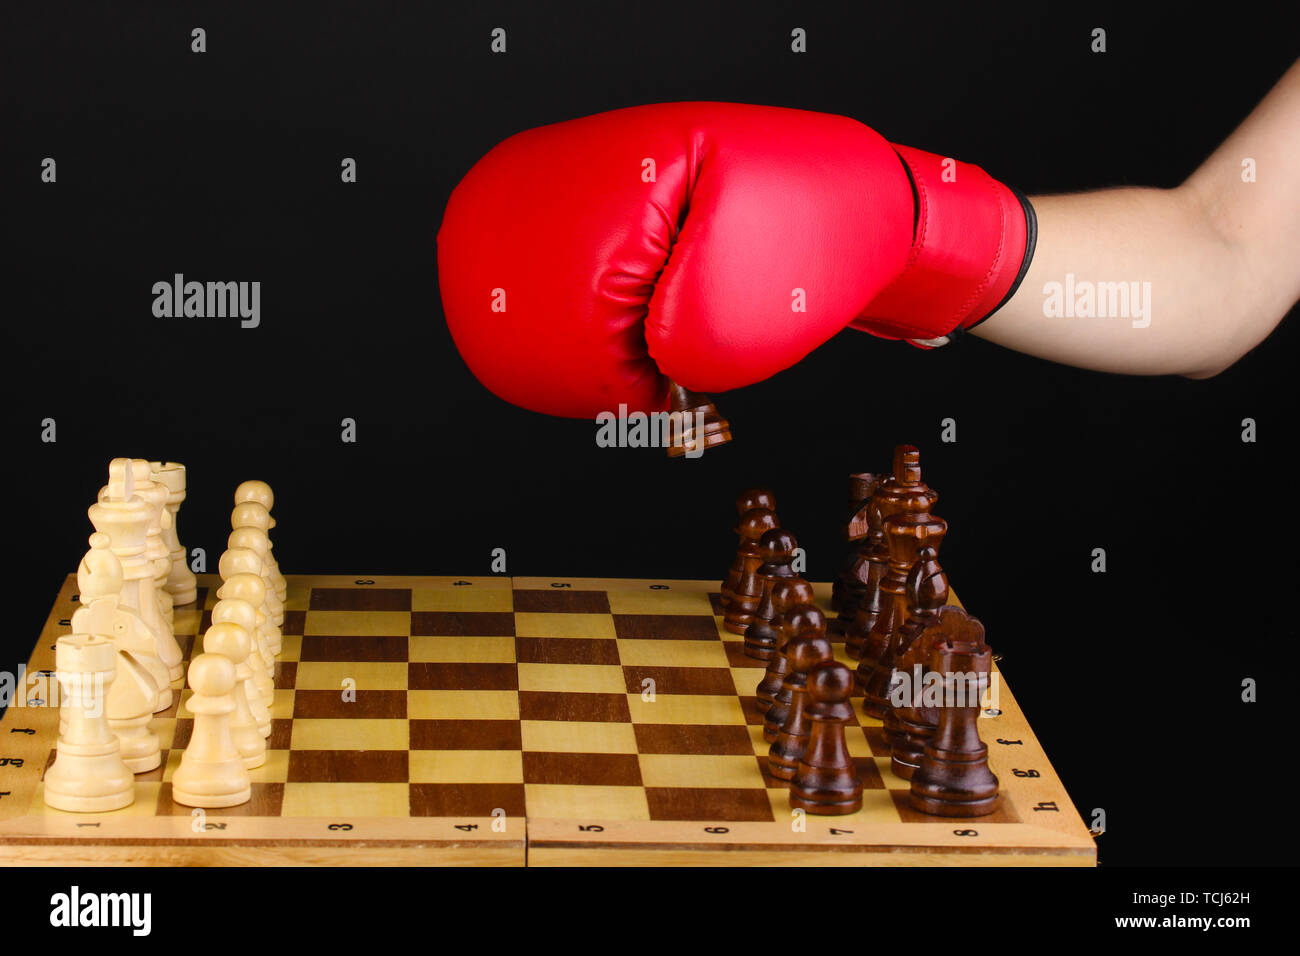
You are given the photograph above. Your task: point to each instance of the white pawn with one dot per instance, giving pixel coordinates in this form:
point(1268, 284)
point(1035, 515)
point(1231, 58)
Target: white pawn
point(232, 642)
point(249, 587)
point(247, 561)
point(181, 583)
point(100, 580)
point(212, 772)
point(244, 615)
point(259, 492)
point(88, 775)
point(255, 540)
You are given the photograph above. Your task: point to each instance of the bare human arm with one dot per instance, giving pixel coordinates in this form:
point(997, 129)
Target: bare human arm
point(1221, 255)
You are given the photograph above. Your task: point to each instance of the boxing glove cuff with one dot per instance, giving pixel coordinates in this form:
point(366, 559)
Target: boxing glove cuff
point(973, 239)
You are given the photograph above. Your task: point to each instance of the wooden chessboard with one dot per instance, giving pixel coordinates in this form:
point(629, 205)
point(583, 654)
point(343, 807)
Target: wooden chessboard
point(502, 721)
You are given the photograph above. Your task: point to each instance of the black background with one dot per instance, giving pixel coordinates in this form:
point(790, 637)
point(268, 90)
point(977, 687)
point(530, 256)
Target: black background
point(225, 166)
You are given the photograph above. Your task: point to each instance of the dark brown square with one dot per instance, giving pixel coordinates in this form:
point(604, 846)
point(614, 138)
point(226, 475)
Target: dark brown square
point(286, 674)
point(592, 770)
point(736, 657)
point(181, 734)
point(681, 680)
point(295, 622)
point(708, 805)
point(465, 735)
point(348, 766)
point(281, 734)
point(266, 801)
point(354, 648)
point(876, 741)
point(548, 705)
point(562, 600)
point(368, 703)
point(463, 624)
point(869, 773)
point(665, 627)
point(360, 599)
point(466, 799)
point(565, 650)
point(715, 601)
point(692, 739)
point(461, 676)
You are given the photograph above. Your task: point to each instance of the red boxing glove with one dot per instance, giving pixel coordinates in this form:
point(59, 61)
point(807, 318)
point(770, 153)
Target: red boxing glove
point(584, 264)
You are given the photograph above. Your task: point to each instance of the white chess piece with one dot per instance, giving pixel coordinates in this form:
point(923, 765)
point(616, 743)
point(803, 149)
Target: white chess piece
point(242, 614)
point(181, 582)
point(247, 561)
point(232, 641)
point(255, 540)
point(88, 775)
point(212, 772)
point(100, 582)
point(125, 517)
point(260, 493)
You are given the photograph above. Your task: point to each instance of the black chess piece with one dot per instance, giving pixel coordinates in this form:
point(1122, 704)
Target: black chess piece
point(826, 781)
point(776, 548)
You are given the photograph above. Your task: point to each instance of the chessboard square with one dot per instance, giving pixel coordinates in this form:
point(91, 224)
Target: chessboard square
point(708, 804)
point(363, 675)
point(290, 648)
point(856, 738)
point(685, 709)
point(346, 800)
point(469, 598)
point(678, 680)
point(462, 624)
point(281, 733)
point(295, 622)
point(891, 780)
point(353, 624)
point(569, 625)
point(648, 652)
point(275, 770)
point(282, 704)
point(572, 678)
point(461, 676)
point(578, 736)
point(660, 601)
point(462, 705)
point(700, 770)
point(453, 766)
point(737, 659)
point(467, 799)
point(876, 741)
point(350, 735)
point(560, 601)
point(165, 728)
point(353, 704)
point(285, 674)
point(187, 621)
point(465, 735)
point(582, 769)
point(865, 719)
point(566, 650)
point(264, 801)
point(666, 627)
point(566, 802)
point(145, 804)
point(369, 599)
point(339, 646)
point(348, 766)
point(692, 739)
point(545, 705)
point(456, 650)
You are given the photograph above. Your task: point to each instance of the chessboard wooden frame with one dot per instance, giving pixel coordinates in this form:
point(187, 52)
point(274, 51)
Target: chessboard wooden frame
point(1046, 829)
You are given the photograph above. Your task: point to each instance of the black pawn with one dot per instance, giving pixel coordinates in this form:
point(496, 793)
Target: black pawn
point(776, 548)
point(827, 782)
point(806, 650)
point(805, 617)
point(787, 594)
